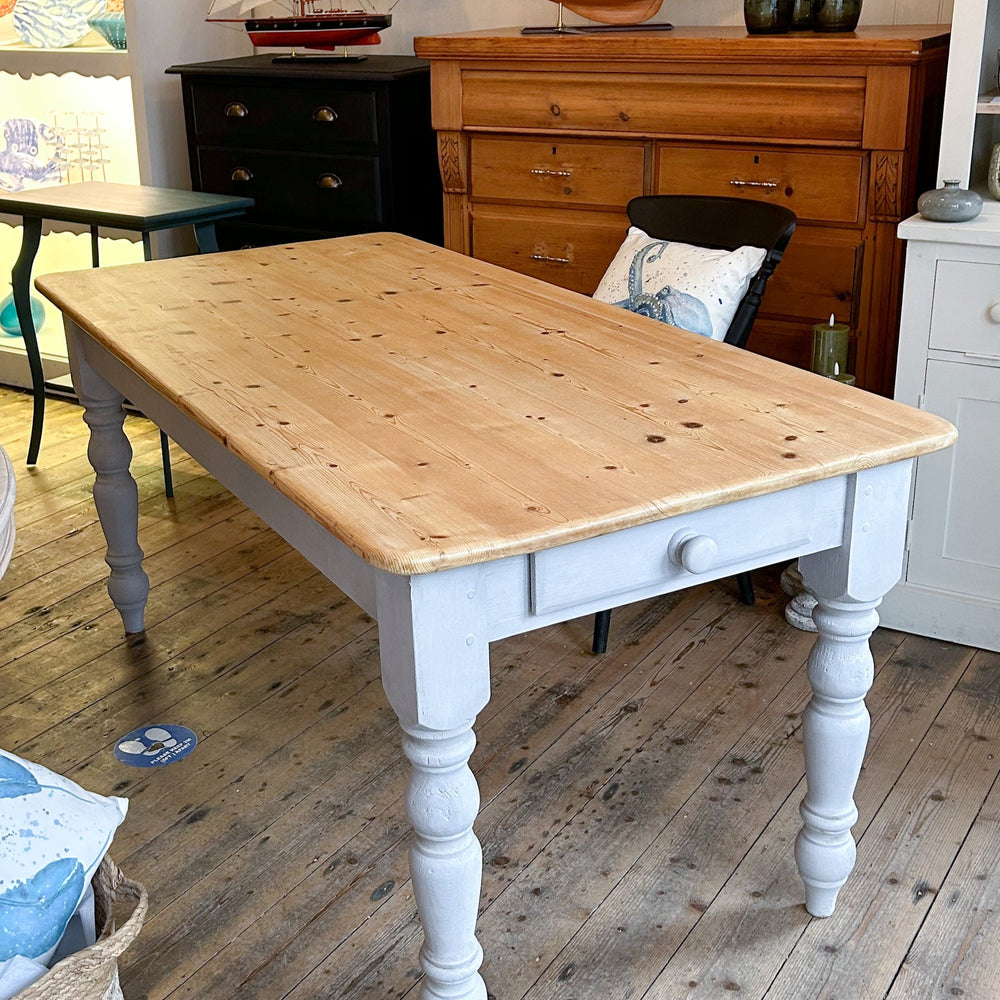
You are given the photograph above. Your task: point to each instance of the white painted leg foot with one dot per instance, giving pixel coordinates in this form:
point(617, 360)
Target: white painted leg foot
point(835, 731)
point(446, 861)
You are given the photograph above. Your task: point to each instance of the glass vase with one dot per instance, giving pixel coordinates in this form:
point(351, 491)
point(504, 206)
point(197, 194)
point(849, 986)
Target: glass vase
point(767, 17)
point(835, 15)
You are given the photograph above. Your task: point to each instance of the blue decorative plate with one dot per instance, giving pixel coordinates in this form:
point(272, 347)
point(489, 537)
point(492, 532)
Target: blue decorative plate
point(54, 24)
point(111, 27)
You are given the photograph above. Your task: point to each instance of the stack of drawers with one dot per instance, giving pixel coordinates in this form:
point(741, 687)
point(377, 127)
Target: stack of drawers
point(543, 141)
point(323, 149)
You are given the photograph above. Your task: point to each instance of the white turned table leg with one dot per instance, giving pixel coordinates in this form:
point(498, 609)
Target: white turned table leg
point(435, 671)
point(116, 495)
point(446, 861)
point(835, 730)
point(848, 582)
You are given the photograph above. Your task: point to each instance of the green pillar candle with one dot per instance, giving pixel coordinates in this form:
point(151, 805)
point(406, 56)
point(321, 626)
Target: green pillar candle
point(829, 347)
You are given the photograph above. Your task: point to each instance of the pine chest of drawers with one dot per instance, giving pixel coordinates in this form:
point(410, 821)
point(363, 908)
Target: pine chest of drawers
point(324, 149)
point(543, 140)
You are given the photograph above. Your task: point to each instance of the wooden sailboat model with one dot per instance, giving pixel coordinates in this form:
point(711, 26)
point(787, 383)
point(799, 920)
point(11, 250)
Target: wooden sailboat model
point(313, 24)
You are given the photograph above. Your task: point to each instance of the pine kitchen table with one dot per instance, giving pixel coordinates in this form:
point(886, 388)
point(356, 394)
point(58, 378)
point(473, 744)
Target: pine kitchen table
point(470, 453)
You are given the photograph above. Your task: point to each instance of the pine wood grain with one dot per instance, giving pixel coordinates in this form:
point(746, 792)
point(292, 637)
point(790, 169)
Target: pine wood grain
point(617, 856)
point(448, 411)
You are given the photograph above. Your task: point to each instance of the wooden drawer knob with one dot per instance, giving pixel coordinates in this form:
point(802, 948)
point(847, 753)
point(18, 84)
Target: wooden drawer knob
point(236, 110)
point(241, 175)
point(696, 553)
point(324, 114)
point(328, 182)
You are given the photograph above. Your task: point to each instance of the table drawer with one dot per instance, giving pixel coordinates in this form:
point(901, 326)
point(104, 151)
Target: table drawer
point(571, 248)
point(316, 191)
point(965, 294)
point(598, 174)
point(689, 549)
point(820, 186)
point(802, 108)
point(318, 118)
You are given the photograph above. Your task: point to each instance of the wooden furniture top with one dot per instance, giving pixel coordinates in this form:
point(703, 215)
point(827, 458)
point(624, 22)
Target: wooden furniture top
point(123, 206)
point(431, 410)
point(869, 45)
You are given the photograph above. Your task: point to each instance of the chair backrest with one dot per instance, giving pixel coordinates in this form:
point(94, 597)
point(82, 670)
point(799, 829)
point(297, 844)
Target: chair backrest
point(721, 224)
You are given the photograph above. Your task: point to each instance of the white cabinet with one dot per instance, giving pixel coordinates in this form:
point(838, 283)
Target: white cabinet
point(949, 353)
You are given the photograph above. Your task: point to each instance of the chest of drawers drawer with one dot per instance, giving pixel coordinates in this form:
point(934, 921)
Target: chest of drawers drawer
point(829, 109)
point(246, 114)
point(569, 172)
point(965, 315)
point(817, 186)
point(322, 191)
point(567, 248)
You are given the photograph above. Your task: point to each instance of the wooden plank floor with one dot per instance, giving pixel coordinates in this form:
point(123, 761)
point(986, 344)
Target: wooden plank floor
point(638, 808)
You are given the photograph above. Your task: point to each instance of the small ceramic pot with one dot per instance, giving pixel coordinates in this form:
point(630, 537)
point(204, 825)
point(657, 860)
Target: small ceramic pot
point(950, 203)
point(835, 15)
point(767, 17)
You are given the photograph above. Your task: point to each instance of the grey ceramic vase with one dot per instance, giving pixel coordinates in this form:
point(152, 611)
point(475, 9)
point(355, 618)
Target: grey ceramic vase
point(950, 203)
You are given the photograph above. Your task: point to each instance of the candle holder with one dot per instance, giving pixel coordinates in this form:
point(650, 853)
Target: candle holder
point(767, 17)
point(829, 353)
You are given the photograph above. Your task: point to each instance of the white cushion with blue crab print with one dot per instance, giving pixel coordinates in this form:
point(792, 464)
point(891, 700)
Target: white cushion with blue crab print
point(695, 288)
point(53, 835)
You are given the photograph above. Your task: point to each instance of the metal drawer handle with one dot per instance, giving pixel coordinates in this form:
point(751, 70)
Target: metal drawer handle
point(241, 175)
point(546, 259)
point(769, 185)
point(236, 110)
point(329, 181)
point(995, 312)
point(324, 114)
point(696, 553)
point(542, 172)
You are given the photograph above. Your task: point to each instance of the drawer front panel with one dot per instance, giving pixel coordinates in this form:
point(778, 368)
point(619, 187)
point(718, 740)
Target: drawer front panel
point(568, 172)
point(819, 274)
point(966, 296)
point(822, 187)
point(690, 548)
point(572, 249)
point(313, 120)
point(314, 191)
point(823, 108)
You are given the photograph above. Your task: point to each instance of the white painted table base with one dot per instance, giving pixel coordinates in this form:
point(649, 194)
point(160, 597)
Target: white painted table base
point(435, 630)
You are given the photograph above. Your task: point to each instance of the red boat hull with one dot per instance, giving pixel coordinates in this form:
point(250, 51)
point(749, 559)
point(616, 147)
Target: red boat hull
point(317, 38)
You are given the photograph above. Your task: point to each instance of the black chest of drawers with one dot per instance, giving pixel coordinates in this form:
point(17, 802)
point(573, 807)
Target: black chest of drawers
point(324, 149)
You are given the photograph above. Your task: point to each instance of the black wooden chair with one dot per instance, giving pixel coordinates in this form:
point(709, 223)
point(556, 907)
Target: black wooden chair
point(720, 224)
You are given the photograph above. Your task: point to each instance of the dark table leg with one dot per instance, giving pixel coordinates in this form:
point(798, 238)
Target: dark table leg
point(204, 233)
point(20, 279)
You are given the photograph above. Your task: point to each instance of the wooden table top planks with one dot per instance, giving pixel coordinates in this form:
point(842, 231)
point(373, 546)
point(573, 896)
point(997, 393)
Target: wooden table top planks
point(431, 411)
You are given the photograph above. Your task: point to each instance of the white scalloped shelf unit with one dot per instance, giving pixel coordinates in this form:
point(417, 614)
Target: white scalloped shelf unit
point(87, 60)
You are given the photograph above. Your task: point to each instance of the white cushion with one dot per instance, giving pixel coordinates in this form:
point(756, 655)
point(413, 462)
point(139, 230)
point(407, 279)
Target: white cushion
point(687, 286)
point(53, 835)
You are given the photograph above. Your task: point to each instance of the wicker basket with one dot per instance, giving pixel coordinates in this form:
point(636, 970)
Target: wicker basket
point(92, 974)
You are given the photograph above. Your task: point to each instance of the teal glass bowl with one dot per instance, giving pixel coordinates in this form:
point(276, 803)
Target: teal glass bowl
point(8, 316)
point(111, 27)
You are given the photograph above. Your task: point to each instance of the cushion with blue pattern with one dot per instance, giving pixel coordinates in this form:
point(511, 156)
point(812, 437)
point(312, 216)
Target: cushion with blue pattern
point(695, 288)
point(53, 835)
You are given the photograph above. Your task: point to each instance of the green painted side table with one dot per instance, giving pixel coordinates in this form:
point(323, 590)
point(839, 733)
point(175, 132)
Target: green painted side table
point(96, 204)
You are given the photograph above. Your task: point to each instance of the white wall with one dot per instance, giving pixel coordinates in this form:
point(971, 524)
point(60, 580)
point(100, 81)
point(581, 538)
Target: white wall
point(432, 17)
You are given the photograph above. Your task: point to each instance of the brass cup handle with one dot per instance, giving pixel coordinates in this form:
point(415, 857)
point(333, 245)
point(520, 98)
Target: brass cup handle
point(546, 259)
point(236, 110)
point(324, 114)
point(768, 185)
point(329, 182)
point(241, 175)
point(543, 172)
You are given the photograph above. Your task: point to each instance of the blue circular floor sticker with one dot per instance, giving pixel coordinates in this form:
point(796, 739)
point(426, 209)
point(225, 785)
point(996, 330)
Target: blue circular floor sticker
point(154, 746)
